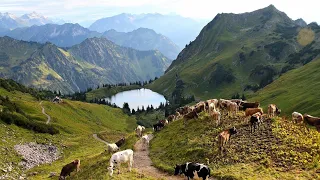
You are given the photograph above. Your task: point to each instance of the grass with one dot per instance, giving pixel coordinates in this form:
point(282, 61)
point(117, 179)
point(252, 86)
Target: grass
point(108, 92)
point(77, 122)
point(280, 150)
point(297, 90)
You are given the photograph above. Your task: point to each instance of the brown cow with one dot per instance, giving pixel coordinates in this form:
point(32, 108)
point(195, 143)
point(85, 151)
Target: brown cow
point(224, 137)
point(191, 115)
point(251, 111)
point(273, 110)
point(200, 107)
point(67, 169)
point(314, 121)
point(171, 118)
point(246, 105)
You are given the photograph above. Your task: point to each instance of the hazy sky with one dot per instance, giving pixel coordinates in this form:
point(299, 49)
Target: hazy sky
point(88, 10)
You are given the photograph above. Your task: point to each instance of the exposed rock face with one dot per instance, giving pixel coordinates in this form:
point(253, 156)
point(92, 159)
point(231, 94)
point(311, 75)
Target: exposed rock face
point(36, 154)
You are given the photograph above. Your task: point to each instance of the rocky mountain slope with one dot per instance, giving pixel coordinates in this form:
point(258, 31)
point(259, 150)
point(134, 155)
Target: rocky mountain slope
point(94, 61)
point(144, 39)
point(179, 29)
point(241, 53)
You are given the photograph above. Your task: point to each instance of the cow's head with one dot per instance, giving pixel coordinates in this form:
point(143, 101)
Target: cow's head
point(177, 170)
point(233, 130)
point(278, 111)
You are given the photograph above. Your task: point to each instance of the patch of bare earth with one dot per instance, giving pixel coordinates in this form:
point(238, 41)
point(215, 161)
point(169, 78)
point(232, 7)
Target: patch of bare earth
point(143, 163)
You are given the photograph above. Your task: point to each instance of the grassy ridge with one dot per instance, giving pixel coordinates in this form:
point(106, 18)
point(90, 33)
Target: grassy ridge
point(297, 90)
point(280, 150)
point(77, 121)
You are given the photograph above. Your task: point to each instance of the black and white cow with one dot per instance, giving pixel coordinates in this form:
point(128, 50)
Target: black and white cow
point(190, 169)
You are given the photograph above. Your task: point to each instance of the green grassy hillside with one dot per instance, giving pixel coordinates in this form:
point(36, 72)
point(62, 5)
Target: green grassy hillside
point(297, 90)
point(280, 150)
point(240, 53)
point(76, 122)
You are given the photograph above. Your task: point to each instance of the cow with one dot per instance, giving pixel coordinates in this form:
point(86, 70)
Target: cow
point(211, 107)
point(214, 101)
point(120, 142)
point(158, 126)
point(177, 116)
point(297, 117)
point(190, 169)
point(139, 130)
point(216, 115)
point(112, 148)
point(165, 122)
point(233, 108)
point(238, 101)
point(314, 121)
point(246, 105)
point(145, 141)
point(191, 115)
point(252, 111)
point(224, 137)
point(67, 169)
point(171, 118)
point(255, 121)
point(200, 107)
point(120, 157)
point(223, 104)
point(273, 110)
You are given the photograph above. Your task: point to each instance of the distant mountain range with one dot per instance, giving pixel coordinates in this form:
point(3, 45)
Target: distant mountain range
point(11, 21)
point(144, 39)
point(68, 34)
point(241, 53)
point(179, 29)
point(88, 64)
point(65, 35)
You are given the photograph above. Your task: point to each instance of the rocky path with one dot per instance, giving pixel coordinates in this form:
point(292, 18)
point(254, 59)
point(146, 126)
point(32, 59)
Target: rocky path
point(43, 112)
point(143, 163)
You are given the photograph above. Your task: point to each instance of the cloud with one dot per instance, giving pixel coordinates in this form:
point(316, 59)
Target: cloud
point(81, 10)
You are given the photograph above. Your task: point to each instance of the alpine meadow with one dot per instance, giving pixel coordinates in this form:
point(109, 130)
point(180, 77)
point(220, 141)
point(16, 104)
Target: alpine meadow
point(159, 90)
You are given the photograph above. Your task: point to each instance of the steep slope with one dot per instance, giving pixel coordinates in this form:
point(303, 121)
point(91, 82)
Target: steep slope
point(278, 150)
point(65, 35)
point(144, 39)
point(76, 121)
point(241, 52)
point(86, 65)
point(296, 90)
point(184, 30)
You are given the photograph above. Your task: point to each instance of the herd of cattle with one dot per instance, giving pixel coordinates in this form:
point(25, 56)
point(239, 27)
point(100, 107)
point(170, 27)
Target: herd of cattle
point(215, 108)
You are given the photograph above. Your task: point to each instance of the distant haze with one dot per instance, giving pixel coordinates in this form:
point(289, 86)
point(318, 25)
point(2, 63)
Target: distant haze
point(87, 11)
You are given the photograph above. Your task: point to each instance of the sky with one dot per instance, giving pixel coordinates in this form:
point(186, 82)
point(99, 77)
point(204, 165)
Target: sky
point(78, 11)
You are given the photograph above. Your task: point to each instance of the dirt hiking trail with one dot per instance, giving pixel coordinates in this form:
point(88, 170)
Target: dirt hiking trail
point(43, 112)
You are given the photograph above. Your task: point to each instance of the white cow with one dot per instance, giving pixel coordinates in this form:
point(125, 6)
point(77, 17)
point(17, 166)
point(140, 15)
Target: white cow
point(112, 148)
point(117, 158)
point(145, 141)
point(140, 130)
point(297, 117)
